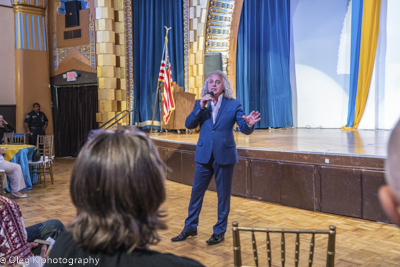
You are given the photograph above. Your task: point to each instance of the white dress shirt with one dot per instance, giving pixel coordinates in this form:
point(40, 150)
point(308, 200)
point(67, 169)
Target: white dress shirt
point(215, 108)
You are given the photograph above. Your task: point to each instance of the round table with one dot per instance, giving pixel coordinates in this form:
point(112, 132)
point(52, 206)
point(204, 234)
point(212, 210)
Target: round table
point(20, 154)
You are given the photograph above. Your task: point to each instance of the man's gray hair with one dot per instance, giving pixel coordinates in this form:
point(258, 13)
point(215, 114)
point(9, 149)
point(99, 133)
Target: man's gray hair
point(392, 164)
point(228, 91)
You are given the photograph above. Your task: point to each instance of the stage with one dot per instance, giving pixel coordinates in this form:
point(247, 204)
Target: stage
point(327, 170)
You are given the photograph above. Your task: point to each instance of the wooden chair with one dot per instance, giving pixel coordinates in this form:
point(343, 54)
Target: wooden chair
point(44, 146)
point(40, 144)
point(14, 138)
point(3, 181)
point(19, 138)
point(8, 138)
point(52, 148)
point(330, 259)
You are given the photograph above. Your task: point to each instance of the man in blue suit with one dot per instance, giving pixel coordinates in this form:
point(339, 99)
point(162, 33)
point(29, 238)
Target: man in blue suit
point(217, 111)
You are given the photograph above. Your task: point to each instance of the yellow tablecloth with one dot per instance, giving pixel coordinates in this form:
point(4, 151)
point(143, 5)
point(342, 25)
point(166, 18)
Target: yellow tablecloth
point(12, 150)
point(21, 154)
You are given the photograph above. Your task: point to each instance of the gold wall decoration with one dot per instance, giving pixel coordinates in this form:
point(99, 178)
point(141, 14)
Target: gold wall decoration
point(30, 28)
point(186, 42)
point(219, 29)
point(129, 54)
point(196, 14)
point(88, 51)
point(31, 60)
point(111, 63)
point(221, 34)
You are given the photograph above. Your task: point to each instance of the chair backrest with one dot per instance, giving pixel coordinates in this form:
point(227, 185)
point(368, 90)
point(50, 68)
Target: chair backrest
point(19, 138)
point(330, 260)
point(8, 138)
point(3, 181)
point(44, 145)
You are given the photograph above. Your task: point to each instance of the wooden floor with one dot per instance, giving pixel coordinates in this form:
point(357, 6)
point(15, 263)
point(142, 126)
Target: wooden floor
point(358, 242)
point(328, 141)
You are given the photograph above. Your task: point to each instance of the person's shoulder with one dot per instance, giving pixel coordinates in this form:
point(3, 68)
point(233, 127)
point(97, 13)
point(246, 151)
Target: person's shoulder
point(64, 240)
point(233, 101)
point(181, 261)
point(155, 258)
point(65, 248)
point(65, 236)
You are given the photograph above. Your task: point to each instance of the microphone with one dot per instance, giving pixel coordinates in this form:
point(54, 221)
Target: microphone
point(209, 101)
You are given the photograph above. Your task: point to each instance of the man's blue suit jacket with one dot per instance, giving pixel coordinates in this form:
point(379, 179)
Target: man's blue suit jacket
point(217, 139)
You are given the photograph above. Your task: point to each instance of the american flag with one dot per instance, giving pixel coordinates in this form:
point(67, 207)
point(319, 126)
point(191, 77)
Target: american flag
point(165, 76)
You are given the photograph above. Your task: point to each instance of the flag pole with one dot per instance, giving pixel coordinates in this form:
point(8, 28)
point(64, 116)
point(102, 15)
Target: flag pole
point(158, 86)
point(154, 108)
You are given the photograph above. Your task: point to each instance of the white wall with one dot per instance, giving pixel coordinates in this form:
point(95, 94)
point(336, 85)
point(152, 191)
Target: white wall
point(7, 59)
point(321, 42)
point(389, 84)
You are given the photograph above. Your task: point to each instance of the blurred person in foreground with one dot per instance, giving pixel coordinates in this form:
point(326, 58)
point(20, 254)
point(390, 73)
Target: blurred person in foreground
point(117, 186)
point(17, 245)
point(389, 195)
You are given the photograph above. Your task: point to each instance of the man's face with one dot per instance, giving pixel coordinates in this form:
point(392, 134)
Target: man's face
point(36, 108)
point(215, 85)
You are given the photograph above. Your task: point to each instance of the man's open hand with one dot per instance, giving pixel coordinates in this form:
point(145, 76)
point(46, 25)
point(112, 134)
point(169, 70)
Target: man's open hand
point(253, 117)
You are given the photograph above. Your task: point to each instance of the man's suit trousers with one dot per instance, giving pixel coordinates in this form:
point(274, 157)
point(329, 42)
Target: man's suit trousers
point(202, 178)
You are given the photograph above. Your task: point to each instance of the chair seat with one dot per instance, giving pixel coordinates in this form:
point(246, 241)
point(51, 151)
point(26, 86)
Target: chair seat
point(41, 161)
point(44, 146)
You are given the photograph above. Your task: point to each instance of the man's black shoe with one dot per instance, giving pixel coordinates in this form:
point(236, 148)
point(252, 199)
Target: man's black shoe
point(183, 236)
point(215, 239)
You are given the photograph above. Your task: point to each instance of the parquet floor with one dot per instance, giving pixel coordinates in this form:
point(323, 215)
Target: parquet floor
point(358, 242)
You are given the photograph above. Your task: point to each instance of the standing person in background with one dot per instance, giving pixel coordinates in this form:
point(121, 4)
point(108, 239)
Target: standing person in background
point(4, 128)
point(35, 123)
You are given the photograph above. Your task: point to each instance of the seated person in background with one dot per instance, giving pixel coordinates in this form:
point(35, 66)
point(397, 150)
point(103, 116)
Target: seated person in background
point(14, 173)
point(117, 187)
point(389, 194)
point(4, 128)
point(15, 240)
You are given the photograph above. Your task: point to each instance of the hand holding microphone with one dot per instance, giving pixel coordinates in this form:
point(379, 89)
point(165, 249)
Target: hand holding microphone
point(209, 101)
point(206, 99)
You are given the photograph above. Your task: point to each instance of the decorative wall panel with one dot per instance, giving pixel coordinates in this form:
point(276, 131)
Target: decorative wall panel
point(88, 51)
point(218, 33)
point(30, 30)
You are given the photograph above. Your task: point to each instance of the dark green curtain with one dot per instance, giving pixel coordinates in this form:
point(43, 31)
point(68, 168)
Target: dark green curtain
point(262, 69)
point(149, 19)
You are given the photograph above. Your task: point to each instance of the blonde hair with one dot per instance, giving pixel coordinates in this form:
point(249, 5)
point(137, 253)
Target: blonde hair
point(228, 91)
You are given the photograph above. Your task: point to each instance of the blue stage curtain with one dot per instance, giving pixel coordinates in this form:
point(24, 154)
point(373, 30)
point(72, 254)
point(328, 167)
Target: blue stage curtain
point(149, 19)
point(356, 25)
point(262, 64)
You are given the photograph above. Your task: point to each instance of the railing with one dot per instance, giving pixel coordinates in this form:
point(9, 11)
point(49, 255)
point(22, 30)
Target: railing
point(124, 113)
